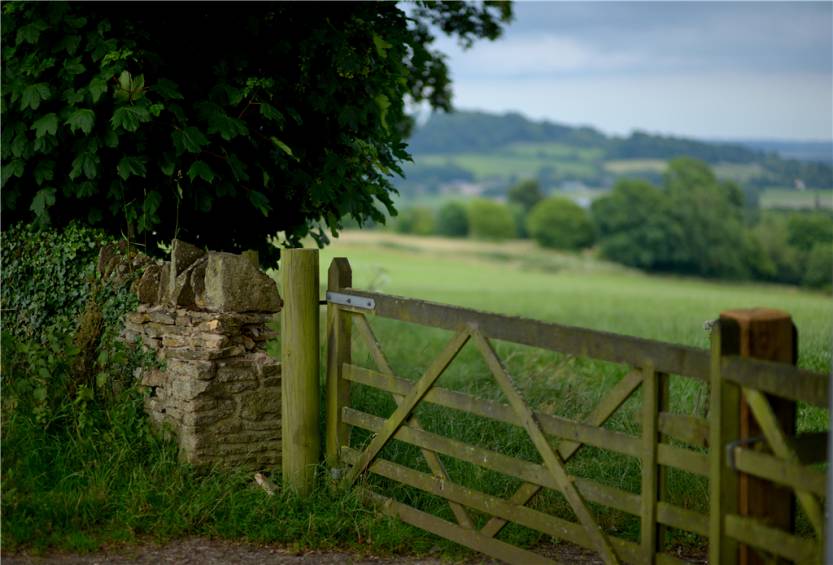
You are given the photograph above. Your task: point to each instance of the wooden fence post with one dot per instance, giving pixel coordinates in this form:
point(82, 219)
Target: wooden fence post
point(769, 335)
point(301, 440)
point(339, 325)
point(723, 428)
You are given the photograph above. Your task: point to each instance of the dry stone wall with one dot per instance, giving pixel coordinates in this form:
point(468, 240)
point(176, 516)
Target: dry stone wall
point(208, 316)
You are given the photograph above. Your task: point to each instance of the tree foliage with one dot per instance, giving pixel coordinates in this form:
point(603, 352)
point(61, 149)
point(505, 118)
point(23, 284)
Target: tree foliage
point(560, 223)
point(490, 220)
point(221, 126)
point(693, 225)
point(526, 194)
point(452, 220)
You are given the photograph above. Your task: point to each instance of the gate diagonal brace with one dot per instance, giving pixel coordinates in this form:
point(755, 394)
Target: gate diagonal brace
point(606, 407)
point(417, 393)
point(552, 461)
point(432, 459)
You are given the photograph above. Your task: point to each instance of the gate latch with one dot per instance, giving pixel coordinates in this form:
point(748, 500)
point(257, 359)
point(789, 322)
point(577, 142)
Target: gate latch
point(730, 448)
point(351, 300)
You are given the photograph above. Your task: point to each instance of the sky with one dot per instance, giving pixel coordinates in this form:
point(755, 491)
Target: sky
point(711, 70)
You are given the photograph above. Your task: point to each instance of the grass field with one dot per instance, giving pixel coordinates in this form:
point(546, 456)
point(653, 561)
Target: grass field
point(790, 198)
point(517, 278)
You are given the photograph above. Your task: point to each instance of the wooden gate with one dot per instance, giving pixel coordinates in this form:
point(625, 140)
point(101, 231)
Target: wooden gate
point(668, 440)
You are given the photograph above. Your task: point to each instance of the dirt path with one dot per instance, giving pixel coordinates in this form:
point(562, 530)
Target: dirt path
point(216, 552)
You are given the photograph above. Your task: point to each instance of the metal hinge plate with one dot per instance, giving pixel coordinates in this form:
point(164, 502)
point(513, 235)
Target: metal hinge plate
point(350, 300)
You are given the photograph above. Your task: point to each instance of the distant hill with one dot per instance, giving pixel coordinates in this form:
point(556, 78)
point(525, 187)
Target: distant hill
point(498, 149)
point(821, 151)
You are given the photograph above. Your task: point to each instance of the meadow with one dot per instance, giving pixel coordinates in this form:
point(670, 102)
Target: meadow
point(578, 290)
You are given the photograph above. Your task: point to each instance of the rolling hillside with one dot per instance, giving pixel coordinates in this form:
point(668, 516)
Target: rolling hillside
point(476, 152)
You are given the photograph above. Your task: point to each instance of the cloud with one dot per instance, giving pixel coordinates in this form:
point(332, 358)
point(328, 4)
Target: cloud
point(706, 105)
point(692, 68)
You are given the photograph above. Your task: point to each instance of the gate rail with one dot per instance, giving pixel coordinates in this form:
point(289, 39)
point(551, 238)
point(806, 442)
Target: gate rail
point(650, 365)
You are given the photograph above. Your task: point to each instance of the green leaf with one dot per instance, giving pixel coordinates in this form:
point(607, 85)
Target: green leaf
point(381, 46)
point(271, 113)
point(96, 88)
point(44, 198)
point(14, 168)
point(259, 201)
point(383, 103)
point(131, 166)
point(46, 124)
point(167, 167)
point(283, 146)
point(39, 394)
point(86, 163)
point(129, 117)
point(33, 94)
point(73, 67)
point(30, 33)
point(238, 169)
point(44, 171)
point(189, 139)
point(131, 88)
point(20, 146)
point(167, 89)
point(202, 170)
point(82, 119)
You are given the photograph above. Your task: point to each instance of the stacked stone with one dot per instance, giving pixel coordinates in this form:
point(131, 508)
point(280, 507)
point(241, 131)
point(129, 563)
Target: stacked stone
point(219, 393)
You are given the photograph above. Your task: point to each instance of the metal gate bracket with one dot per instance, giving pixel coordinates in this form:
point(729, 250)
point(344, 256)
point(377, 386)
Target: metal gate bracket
point(350, 300)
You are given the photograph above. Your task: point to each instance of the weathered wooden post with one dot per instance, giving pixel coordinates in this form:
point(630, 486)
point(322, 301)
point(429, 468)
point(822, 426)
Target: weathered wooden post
point(301, 440)
point(769, 335)
point(339, 325)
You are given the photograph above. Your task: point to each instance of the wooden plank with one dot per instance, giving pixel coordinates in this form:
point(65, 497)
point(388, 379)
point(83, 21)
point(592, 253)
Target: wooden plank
point(469, 538)
point(553, 425)
point(410, 401)
point(300, 402)
point(431, 458)
point(663, 405)
point(779, 379)
point(650, 474)
point(684, 459)
point(552, 461)
point(519, 514)
point(692, 430)
point(723, 481)
point(780, 471)
point(666, 357)
point(683, 519)
point(773, 540)
point(605, 409)
point(339, 326)
point(523, 470)
point(780, 445)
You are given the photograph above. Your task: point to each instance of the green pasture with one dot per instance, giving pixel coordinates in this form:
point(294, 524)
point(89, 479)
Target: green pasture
point(794, 199)
point(507, 164)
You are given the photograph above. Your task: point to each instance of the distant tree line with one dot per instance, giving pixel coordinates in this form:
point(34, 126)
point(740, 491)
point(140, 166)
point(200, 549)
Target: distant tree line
point(691, 224)
point(478, 132)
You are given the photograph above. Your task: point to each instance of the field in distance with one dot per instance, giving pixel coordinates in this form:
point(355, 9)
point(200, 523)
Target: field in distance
point(519, 278)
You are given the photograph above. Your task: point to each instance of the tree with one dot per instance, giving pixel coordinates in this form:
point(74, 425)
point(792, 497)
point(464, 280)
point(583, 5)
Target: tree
point(633, 225)
point(560, 223)
point(490, 220)
point(452, 220)
point(526, 194)
point(417, 220)
point(220, 125)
